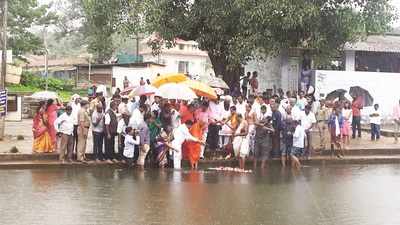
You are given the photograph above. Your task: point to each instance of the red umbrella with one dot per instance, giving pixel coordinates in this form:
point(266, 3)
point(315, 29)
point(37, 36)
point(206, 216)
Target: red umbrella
point(128, 90)
point(144, 90)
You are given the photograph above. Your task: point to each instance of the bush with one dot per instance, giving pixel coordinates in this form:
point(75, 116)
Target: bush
point(32, 80)
point(14, 149)
point(20, 137)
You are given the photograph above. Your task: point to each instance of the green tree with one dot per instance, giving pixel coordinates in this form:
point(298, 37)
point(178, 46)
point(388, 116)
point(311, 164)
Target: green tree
point(101, 18)
point(23, 16)
point(234, 31)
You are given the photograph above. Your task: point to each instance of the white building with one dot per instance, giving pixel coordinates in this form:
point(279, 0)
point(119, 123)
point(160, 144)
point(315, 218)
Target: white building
point(281, 71)
point(184, 57)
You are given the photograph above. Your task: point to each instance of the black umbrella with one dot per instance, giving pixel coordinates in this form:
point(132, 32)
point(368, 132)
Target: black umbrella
point(358, 91)
point(338, 93)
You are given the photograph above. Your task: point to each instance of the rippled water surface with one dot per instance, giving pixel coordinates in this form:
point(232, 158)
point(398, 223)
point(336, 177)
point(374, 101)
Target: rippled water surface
point(364, 195)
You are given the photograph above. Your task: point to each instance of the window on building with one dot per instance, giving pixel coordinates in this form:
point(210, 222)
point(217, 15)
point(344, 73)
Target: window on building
point(183, 67)
point(194, 47)
point(12, 103)
point(181, 46)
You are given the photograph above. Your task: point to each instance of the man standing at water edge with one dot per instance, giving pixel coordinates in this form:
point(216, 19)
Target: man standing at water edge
point(111, 124)
point(181, 134)
point(83, 130)
point(307, 122)
point(322, 116)
point(98, 132)
point(76, 106)
point(64, 126)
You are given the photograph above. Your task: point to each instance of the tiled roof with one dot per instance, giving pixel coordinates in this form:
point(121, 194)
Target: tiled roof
point(376, 43)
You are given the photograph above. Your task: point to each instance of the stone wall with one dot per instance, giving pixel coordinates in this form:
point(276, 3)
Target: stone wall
point(269, 71)
point(29, 106)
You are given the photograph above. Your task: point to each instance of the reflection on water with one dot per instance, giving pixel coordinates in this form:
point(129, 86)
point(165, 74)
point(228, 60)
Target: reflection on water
point(365, 195)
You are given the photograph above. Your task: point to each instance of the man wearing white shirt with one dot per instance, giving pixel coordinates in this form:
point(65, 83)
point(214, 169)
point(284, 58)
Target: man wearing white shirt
point(76, 106)
point(216, 111)
point(155, 106)
point(181, 134)
point(123, 106)
point(132, 105)
point(308, 121)
point(241, 105)
point(137, 116)
point(375, 118)
point(296, 112)
point(64, 126)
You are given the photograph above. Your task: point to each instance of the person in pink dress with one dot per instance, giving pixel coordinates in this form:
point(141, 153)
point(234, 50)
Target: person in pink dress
point(51, 111)
point(346, 129)
point(203, 114)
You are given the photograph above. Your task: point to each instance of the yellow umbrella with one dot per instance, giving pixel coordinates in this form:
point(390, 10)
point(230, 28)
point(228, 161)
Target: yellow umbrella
point(168, 78)
point(201, 89)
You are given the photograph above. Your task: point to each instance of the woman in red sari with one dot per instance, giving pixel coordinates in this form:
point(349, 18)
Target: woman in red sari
point(192, 149)
point(42, 142)
point(51, 111)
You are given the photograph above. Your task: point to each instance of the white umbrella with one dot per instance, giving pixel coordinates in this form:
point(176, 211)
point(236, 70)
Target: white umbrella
point(44, 95)
point(144, 90)
point(177, 91)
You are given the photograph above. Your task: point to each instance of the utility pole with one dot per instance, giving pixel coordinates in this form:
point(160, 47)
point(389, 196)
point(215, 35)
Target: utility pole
point(46, 57)
point(4, 61)
point(4, 44)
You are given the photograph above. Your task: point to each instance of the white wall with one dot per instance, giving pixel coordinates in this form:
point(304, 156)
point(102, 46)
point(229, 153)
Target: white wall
point(269, 72)
point(16, 116)
point(383, 87)
point(133, 74)
point(197, 64)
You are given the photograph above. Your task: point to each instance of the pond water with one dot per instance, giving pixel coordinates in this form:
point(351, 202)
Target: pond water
point(365, 195)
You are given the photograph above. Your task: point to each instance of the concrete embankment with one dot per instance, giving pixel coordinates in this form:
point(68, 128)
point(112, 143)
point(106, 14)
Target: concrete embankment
point(29, 161)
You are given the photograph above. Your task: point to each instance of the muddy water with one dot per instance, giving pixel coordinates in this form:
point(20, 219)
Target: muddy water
point(343, 195)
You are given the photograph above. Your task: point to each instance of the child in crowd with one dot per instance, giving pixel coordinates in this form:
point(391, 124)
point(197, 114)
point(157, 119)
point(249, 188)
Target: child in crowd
point(132, 138)
point(299, 137)
point(375, 121)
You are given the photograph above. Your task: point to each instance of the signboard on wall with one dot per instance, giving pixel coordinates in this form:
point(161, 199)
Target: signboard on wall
point(3, 103)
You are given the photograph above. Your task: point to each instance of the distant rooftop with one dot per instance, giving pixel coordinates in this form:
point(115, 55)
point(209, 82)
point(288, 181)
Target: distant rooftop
point(377, 43)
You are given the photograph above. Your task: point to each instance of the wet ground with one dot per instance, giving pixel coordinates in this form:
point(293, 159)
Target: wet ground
point(345, 195)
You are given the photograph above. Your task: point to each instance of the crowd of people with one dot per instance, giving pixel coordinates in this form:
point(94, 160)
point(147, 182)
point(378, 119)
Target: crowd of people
point(158, 132)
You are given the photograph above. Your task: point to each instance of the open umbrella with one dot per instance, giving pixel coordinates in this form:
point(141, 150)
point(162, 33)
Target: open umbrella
point(128, 90)
point(339, 93)
point(177, 91)
point(358, 91)
point(168, 78)
point(143, 90)
point(201, 89)
point(44, 95)
point(214, 82)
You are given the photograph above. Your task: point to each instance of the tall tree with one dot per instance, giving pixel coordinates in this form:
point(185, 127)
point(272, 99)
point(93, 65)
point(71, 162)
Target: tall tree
point(233, 31)
point(23, 17)
point(101, 18)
